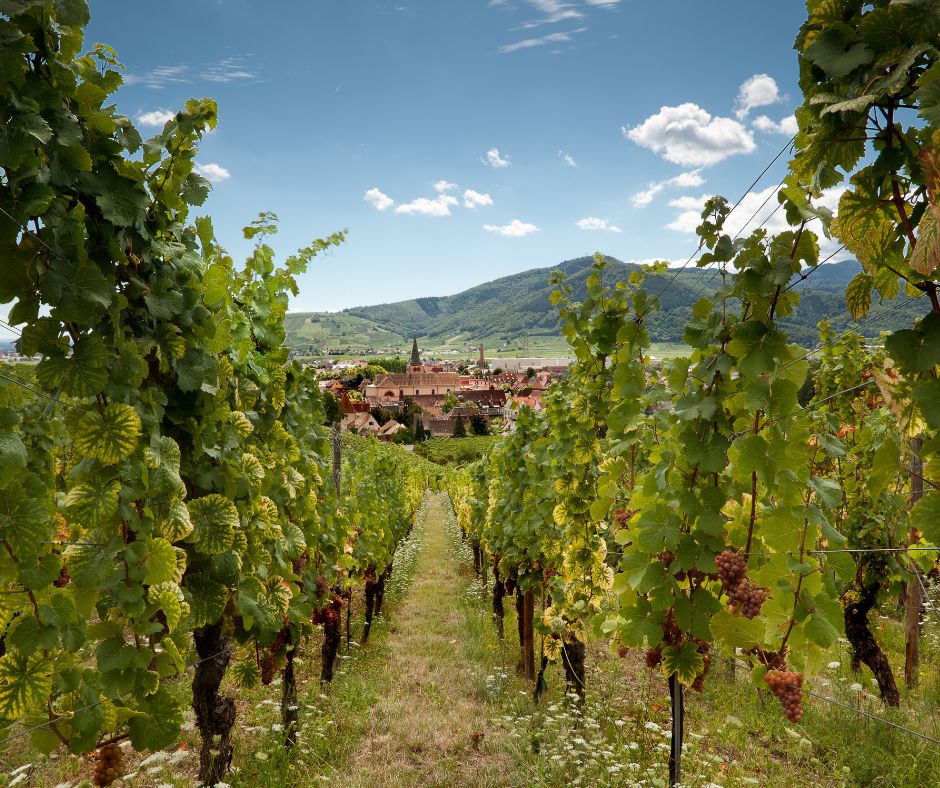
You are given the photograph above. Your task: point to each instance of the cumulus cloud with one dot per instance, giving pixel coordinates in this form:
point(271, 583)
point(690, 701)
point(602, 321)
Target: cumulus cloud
point(758, 91)
point(213, 172)
point(378, 198)
point(439, 206)
point(761, 205)
point(551, 38)
point(515, 229)
point(444, 186)
point(690, 136)
point(567, 158)
point(593, 223)
point(493, 159)
point(787, 125)
point(157, 117)
point(603, 3)
point(684, 180)
point(474, 199)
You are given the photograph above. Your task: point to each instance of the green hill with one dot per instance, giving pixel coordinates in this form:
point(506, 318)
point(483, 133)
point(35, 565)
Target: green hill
point(514, 312)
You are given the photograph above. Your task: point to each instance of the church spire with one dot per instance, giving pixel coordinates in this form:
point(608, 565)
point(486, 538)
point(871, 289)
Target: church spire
point(415, 356)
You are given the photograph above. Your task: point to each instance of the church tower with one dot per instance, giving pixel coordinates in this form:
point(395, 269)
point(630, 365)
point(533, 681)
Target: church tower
point(415, 364)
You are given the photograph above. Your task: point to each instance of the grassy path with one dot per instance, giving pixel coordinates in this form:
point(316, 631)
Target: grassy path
point(425, 726)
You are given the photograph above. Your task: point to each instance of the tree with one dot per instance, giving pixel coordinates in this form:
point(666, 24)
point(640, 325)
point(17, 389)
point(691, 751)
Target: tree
point(333, 412)
point(530, 373)
point(420, 433)
point(498, 371)
point(451, 401)
point(460, 430)
point(478, 425)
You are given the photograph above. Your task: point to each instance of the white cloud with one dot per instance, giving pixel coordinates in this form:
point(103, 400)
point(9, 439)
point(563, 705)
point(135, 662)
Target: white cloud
point(378, 198)
point(787, 125)
point(551, 38)
point(773, 220)
point(553, 11)
point(231, 69)
point(159, 77)
point(690, 136)
point(684, 180)
point(157, 117)
point(473, 199)
point(603, 3)
point(567, 158)
point(593, 223)
point(495, 160)
point(439, 206)
point(213, 172)
point(515, 229)
point(758, 91)
point(444, 186)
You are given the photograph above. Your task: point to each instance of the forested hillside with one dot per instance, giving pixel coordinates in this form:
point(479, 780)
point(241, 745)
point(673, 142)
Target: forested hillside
point(508, 309)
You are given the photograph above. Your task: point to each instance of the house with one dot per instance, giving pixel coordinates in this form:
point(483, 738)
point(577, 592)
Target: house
point(346, 405)
point(440, 428)
point(360, 423)
point(389, 430)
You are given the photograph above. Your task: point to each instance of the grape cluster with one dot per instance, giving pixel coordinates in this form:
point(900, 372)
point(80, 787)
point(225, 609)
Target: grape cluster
point(654, 656)
point(110, 766)
point(786, 686)
point(743, 595)
point(269, 664)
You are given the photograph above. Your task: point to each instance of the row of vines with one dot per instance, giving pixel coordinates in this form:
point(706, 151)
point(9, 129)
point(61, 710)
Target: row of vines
point(169, 498)
point(750, 499)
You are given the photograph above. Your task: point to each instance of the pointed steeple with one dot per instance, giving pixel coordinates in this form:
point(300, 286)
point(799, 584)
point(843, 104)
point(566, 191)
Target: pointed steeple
point(415, 356)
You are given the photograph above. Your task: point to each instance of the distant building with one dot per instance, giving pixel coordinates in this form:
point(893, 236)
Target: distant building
point(522, 364)
point(417, 381)
point(360, 423)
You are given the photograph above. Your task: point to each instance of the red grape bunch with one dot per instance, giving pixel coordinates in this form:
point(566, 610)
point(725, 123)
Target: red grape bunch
point(269, 664)
point(742, 594)
point(109, 766)
point(786, 686)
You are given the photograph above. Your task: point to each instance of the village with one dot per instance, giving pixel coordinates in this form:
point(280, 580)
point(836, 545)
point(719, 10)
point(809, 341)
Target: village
point(439, 399)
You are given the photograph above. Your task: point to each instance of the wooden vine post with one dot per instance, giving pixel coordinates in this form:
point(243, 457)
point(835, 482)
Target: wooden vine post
point(914, 598)
point(678, 720)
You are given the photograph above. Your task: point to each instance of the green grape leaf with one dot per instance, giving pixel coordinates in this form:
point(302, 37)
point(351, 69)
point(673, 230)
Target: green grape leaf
point(176, 524)
point(25, 684)
point(40, 574)
point(215, 521)
point(736, 631)
point(169, 598)
point(160, 563)
point(245, 673)
point(28, 635)
point(926, 255)
point(925, 516)
point(109, 436)
point(92, 504)
point(24, 517)
point(157, 723)
point(84, 373)
point(207, 600)
point(683, 661)
point(163, 463)
point(13, 454)
point(91, 563)
point(858, 295)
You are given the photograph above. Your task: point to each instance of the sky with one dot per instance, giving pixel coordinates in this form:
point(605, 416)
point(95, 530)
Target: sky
point(462, 140)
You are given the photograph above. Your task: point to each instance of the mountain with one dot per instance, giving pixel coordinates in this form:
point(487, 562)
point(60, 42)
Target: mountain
point(515, 311)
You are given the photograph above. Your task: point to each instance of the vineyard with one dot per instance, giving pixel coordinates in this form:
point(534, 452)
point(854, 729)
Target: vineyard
point(660, 578)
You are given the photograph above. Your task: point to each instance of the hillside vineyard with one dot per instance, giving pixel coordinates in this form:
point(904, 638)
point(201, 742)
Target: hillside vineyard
point(719, 568)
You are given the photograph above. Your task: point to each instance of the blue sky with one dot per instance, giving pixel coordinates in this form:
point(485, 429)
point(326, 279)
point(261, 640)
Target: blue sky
point(462, 140)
